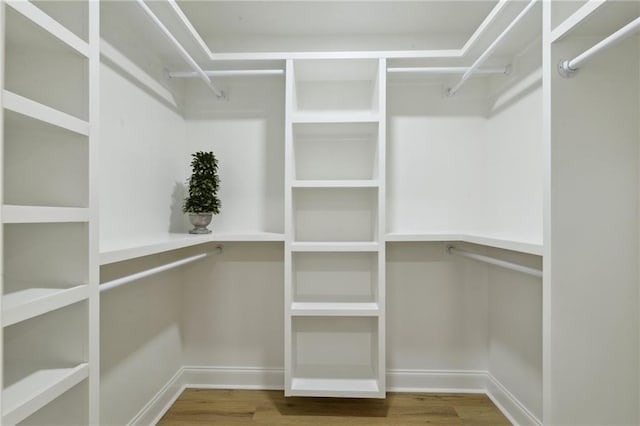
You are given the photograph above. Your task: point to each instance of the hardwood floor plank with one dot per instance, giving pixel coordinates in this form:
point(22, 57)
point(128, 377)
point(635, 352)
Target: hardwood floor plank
point(196, 407)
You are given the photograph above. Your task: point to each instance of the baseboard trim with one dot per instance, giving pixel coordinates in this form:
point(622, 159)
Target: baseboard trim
point(255, 378)
point(153, 410)
point(510, 406)
point(233, 377)
point(443, 381)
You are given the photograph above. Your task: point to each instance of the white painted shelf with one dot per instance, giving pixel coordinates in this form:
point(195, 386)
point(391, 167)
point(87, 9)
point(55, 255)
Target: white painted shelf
point(44, 21)
point(31, 302)
point(335, 246)
point(38, 214)
point(506, 244)
point(353, 388)
point(119, 250)
point(372, 183)
point(21, 105)
point(25, 397)
point(598, 18)
point(335, 309)
point(336, 117)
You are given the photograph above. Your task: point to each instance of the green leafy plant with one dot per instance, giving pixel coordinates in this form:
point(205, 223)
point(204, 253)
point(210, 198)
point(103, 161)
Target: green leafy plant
point(203, 185)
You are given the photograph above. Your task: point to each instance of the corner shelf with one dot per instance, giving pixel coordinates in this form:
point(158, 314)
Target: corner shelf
point(32, 302)
point(505, 244)
point(25, 397)
point(120, 250)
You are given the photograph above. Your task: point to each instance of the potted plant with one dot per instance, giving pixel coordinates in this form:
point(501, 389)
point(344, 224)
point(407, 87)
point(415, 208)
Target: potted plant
point(202, 202)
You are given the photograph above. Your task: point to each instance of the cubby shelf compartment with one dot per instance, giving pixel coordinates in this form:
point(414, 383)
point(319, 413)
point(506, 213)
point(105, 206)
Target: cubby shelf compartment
point(339, 88)
point(21, 105)
point(25, 397)
point(335, 214)
point(29, 303)
point(336, 152)
point(335, 281)
point(351, 371)
point(334, 309)
point(44, 21)
point(35, 214)
point(119, 250)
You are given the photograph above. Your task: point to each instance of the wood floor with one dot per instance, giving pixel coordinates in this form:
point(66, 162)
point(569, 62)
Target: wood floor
point(239, 407)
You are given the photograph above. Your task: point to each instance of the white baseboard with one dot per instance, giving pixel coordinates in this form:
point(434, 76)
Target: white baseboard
point(510, 406)
point(153, 410)
point(233, 377)
point(442, 381)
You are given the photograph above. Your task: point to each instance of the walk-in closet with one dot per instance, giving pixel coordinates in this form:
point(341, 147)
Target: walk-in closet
point(434, 197)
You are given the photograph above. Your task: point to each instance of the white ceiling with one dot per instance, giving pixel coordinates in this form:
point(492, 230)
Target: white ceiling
point(224, 19)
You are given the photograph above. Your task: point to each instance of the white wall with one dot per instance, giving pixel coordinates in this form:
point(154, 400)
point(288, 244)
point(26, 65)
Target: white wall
point(593, 317)
point(233, 308)
point(140, 340)
point(141, 192)
point(246, 133)
point(437, 310)
point(513, 169)
point(434, 158)
point(141, 161)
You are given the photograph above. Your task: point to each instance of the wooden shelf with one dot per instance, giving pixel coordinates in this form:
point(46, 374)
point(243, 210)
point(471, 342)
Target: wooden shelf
point(372, 183)
point(38, 214)
point(506, 244)
point(29, 303)
point(335, 117)
point(335, 309)
point(119, 250)
point(362, 246)
point(44, 21)
point(335, 387)
point(21, 105)
point(25, 397)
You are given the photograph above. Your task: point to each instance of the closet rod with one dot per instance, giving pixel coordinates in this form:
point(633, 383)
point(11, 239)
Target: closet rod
point(185, 55)
point(447, 70)
point(483, 57)
point(147, 273)
point(225, 73)
point(496, 262)
point(569, 67)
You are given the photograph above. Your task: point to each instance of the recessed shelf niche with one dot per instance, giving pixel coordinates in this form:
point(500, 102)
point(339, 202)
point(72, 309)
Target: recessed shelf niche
point(335, 151)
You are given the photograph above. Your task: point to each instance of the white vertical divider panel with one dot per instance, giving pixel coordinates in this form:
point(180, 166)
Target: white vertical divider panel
point(2, 43)
point(288, 225)
point(547, 69)
point(94, 237)
point(382, 202)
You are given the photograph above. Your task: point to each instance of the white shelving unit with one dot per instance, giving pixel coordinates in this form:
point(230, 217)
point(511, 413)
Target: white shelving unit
point(334, 221)
point(49, 222)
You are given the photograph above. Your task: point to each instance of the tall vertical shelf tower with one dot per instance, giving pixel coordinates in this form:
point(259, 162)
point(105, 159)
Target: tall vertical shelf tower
point(49, 278)
point(334, 228)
